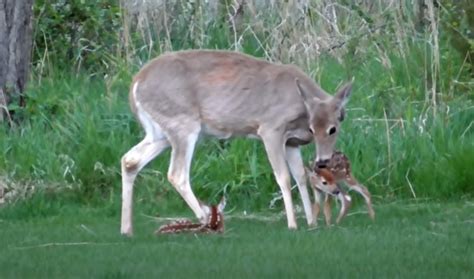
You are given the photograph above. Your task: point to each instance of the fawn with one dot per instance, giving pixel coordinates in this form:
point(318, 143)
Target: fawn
point(327, 181)
point(323, 183)
point(215, 223)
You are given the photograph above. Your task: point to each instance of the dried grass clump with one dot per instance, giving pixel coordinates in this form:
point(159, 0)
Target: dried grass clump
point(286, 31)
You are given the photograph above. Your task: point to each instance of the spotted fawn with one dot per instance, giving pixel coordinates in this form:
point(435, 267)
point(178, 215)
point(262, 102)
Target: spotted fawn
point(327, 182)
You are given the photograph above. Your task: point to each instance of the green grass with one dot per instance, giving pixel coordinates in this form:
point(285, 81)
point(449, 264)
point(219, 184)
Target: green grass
point(408, 240)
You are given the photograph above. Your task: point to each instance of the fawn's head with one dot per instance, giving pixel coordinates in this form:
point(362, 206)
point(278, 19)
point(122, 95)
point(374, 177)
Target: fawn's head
point(325, 117)
point(324, 180)
point(216, 214)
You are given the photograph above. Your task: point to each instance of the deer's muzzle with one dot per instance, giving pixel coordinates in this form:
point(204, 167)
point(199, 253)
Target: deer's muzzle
point(321, 164)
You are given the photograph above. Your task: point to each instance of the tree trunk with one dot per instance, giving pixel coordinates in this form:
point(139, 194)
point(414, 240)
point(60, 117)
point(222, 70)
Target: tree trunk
point(15, 52)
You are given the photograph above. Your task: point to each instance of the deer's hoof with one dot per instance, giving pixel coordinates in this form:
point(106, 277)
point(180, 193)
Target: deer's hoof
point(372, 216)
point(127, 233)
point(204, 219)
point(292, 227)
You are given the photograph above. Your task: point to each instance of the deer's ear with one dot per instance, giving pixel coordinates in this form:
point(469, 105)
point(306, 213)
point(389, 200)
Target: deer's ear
point(342, 96)
point(221, 205)
point(308, 97)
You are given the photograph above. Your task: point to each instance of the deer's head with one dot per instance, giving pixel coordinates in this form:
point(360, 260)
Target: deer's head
point(325, 117)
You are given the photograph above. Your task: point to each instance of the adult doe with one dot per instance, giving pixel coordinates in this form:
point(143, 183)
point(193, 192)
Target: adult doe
point(181, 95)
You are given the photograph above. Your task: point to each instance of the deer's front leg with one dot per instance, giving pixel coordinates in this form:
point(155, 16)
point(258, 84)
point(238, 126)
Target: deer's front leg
point(275, 148)
point(132, 162)
point(295, 163)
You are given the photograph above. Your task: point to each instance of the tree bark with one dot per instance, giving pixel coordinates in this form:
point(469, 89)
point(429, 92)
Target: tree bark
point(15, 52)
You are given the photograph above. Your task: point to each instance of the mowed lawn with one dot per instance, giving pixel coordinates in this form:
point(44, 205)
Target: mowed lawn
point(407, 240)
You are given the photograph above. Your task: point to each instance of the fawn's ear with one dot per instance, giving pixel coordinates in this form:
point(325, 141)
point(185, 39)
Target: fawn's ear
point(221, 205)
point(311, 175)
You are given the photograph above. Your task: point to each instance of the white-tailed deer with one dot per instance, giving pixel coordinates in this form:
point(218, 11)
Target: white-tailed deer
point(215, 222)
point(181, 95)
point(328, 179)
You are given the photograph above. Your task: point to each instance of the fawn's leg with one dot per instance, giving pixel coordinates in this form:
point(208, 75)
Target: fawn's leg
point(361, 189)
point(345, 201)
point(327, 209)
point(317, 204)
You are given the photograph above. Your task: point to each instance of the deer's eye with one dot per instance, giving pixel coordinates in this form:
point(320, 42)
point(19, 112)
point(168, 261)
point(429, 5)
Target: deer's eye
point(311, 130)
point(331, 130)
point(325, 183)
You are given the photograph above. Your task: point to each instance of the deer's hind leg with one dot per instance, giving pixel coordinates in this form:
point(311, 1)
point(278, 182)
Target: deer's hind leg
point(135, 160)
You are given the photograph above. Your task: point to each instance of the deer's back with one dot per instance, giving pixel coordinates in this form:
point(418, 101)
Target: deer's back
point(227, 91)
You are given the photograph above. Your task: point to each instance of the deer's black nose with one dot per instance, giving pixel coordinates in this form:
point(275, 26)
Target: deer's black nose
point(321, 164)
point(336, 192)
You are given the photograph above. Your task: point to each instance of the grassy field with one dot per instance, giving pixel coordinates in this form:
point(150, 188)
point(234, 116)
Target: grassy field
point(407, 240)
